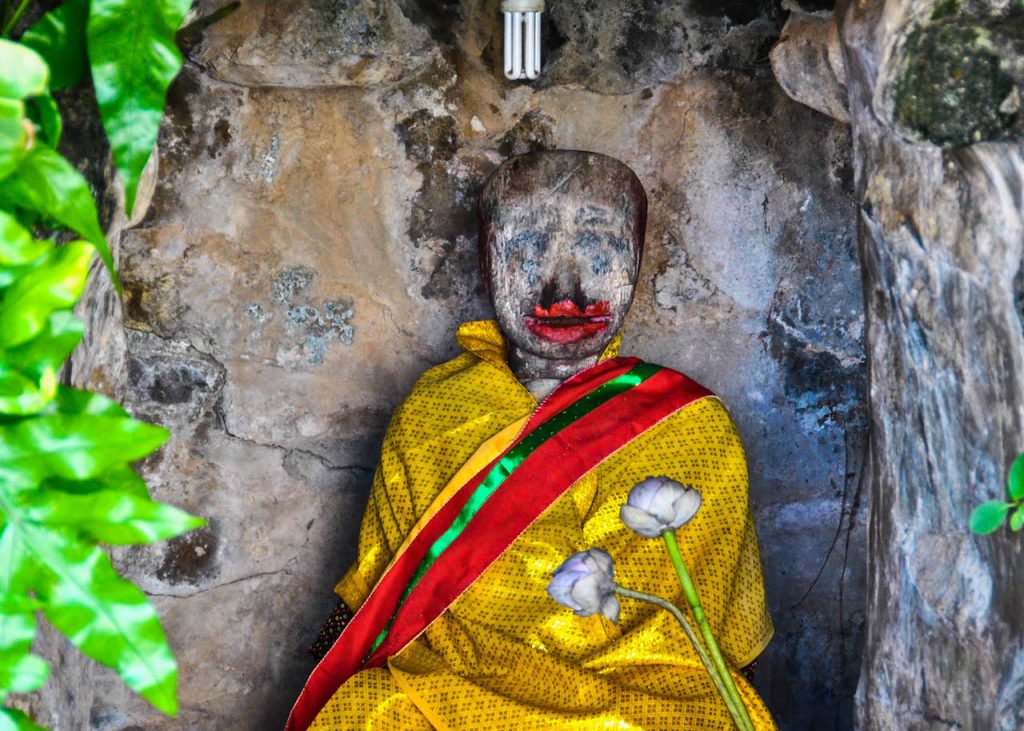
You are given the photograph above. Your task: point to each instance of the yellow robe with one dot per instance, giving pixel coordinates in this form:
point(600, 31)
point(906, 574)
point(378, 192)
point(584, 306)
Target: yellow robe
point(506, 656)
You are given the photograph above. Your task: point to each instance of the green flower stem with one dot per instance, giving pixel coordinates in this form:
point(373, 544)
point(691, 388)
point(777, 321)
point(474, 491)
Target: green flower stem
point(672, 609)
point(14, 18)
point(690, 592)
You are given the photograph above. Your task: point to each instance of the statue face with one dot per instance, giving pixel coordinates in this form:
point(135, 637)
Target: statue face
point(563, 235)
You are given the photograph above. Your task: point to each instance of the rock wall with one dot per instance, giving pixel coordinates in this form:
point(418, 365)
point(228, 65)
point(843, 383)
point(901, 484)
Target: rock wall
point(311, 248)
point(935, 93)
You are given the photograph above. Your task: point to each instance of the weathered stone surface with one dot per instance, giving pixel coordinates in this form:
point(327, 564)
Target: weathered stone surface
point(808, 63)
point(320, 43)
point(941, 245)
point(310, 251)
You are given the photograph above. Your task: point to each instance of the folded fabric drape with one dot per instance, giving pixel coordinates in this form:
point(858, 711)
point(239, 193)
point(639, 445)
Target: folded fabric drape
point(471, 512)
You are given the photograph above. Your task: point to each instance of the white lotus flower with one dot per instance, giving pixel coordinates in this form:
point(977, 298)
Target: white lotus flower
point(659, 504)
point(585, 583)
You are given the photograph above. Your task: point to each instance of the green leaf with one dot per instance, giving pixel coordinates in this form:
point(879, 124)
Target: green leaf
point(28, 373)
point(120, 477)
point(14, 720)
point(19, 632)
point(1015, 480)
point(75, 447)
point(19, 604)
point(10, 275)
point(13, 135)
point(46, 183)
point(75, 401)
point(103, 615)
point(50, 348)
point(15, 581)
point(59, 37)
point(1017, 519)
point(19, 671)
point(17, 625)
point(21, 395)
point(134, 58)
point(22, 673)
point(55, 283)
point(987, 517)
point(45, 113)
point(108, 516)
point(16, 243)
point(22, 71)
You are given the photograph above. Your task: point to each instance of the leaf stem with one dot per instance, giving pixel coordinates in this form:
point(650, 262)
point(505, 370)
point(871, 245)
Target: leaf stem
point(14, 18)
point(672, 609)
point(690, 592)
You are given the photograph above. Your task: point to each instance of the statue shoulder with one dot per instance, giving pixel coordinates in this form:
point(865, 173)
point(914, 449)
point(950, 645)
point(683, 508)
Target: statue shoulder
point(685, 380)
point(437, 375)
point(433, 386)
point(711, 406)
point(682, 380)
point(453, 393)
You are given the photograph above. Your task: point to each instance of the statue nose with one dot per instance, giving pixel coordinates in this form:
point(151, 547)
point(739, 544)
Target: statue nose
point(566, 274)
point(564, 284)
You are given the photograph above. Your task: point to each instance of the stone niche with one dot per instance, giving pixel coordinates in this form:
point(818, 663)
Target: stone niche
point(310, 249)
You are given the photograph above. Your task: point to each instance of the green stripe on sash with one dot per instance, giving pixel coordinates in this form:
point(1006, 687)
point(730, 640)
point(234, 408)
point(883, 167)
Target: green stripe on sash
point(508, 464)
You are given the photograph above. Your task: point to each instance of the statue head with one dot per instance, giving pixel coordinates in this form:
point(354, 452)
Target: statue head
point(561, 233)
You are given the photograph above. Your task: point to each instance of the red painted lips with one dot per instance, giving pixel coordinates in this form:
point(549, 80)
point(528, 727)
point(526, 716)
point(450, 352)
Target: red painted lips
point(565, 322)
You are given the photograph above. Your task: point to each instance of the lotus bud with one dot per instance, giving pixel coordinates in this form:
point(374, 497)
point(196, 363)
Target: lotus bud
point(659, 504)
point(585, 583)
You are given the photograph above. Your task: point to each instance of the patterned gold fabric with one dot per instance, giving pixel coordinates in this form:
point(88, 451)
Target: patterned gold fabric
point(505, 656)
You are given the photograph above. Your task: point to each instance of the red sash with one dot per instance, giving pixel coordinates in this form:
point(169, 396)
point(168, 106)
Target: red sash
point(585, 420)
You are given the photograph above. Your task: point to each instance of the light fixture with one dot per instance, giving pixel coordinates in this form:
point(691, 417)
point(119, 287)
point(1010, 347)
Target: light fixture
point(522, 38)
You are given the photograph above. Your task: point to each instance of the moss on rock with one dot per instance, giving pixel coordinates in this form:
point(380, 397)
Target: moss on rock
point(944, 9)
point(959, 82)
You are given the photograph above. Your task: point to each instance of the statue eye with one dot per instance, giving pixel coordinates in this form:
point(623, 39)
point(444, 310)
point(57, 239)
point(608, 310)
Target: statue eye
point(601, 264)
point(588, 240)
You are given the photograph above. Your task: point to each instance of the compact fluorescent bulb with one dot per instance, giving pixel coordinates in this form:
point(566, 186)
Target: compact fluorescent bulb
point(522, 38)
